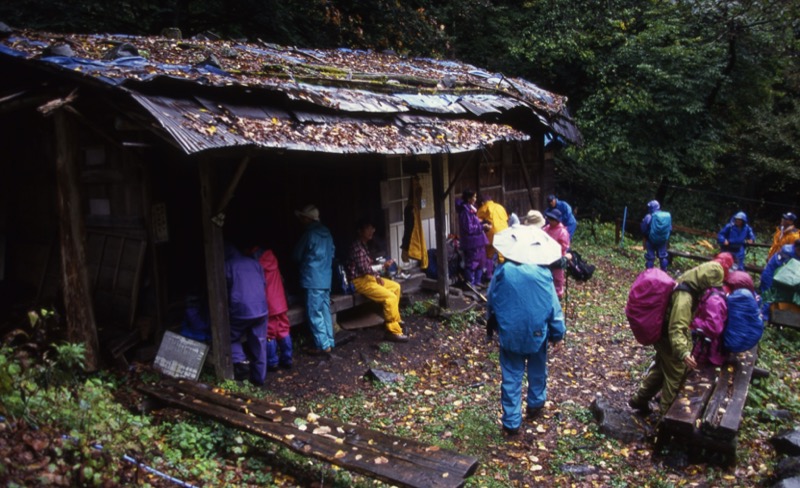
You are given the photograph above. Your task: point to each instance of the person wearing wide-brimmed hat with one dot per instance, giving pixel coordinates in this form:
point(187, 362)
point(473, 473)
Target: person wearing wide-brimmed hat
point(314, 253)
point(560, 234)
point(735, 237)
point(786, 233)
point(524, 310)
point(534, 218)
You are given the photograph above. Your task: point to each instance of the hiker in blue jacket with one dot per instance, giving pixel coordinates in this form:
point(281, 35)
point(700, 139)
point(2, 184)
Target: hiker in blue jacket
point(314, 253)
point(656, 227)
point(735, 237)
point(567, 217)
point(524, 309)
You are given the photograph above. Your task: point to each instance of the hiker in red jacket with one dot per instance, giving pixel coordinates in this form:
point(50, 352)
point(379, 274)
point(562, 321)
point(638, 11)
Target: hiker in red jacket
point(279, 341)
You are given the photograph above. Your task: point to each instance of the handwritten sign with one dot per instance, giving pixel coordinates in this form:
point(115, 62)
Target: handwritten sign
point(181, 357)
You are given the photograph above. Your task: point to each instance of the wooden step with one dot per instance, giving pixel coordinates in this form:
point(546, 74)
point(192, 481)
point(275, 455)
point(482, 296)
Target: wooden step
point(359, 318)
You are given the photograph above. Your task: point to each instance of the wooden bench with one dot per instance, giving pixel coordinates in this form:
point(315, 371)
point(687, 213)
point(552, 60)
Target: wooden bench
point(359, 311)
point(785, 318)
point(707, 411)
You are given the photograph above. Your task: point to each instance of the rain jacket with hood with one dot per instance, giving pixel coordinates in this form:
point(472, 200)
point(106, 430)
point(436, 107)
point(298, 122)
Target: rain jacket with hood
point(247, 306)
point(675, 345)
point(523, 301)
point(652, 250)
point(314, 252)
point(783, 236)
point(472, 241)
point(736, 237)
point(496, 215)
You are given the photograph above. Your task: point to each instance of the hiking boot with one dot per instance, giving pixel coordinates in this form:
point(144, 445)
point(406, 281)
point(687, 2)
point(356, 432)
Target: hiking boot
point(642, 406)
point(396, 337)
point(511, 432)
point(318, 352)
point(241, 371)
point(533, 413)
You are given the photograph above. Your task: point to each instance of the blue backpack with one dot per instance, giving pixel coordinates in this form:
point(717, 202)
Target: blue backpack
point(660, 227)
point(745, 325)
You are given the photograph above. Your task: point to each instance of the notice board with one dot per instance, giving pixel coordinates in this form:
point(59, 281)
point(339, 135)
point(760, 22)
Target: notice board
point(181, 357)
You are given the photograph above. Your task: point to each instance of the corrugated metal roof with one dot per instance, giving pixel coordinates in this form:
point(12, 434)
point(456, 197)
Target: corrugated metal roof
point(327, 95)
point(196, 129)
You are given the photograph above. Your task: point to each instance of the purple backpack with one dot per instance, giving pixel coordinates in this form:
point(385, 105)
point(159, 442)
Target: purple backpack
point(707, 327)
point(647, 304)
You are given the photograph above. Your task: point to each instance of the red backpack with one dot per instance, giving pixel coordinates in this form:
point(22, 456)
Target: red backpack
point(647, 304)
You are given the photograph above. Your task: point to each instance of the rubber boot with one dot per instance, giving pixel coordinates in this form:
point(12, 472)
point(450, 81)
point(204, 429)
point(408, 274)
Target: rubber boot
point(272, 355)
point(285, 346)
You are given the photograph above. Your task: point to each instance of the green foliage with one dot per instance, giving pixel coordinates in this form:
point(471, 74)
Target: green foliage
point(459, 321)
point(418, 307)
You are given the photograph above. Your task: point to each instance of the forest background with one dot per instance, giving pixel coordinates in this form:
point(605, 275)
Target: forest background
point(693, 102)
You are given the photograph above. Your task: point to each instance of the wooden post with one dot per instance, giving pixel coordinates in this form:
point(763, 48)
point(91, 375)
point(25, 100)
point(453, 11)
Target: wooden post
point(78, 304)
point(526, 176)
point(437, 179)
point(215, 275)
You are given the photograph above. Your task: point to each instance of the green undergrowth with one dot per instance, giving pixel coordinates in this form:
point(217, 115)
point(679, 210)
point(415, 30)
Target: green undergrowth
point(93, 431)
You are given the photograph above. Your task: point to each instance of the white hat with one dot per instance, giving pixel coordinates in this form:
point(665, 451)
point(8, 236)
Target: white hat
point(527, 245)
point(309, 211)
point(534, 218)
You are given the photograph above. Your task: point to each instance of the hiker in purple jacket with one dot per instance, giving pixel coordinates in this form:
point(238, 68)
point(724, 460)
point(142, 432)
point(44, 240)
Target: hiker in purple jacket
point(247, 308)
point(472, 238)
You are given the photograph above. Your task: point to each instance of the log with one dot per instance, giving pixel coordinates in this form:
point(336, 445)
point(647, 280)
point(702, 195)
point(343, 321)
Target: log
point(326, 444)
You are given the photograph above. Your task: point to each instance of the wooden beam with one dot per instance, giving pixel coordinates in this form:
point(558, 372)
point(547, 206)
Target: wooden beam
point(78, 304)
point(526, 176)
point(215, 275)
point(226, 197)
point(440, 219)
point(455, 178)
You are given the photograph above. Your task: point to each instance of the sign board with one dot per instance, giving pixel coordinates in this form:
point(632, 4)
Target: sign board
point(180, 357)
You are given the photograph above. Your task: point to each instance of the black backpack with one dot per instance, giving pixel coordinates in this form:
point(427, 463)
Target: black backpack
point(578, 268)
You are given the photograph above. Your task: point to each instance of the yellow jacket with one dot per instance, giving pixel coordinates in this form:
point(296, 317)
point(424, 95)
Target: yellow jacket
point(783, 237)
point(495, 214)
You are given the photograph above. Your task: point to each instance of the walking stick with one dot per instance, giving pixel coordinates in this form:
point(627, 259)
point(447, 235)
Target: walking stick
point(566, 295)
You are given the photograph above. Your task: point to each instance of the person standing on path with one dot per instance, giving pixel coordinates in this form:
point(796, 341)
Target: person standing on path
point(735, 237)
point(314, 253)
point(656, 227)
point(524, 310)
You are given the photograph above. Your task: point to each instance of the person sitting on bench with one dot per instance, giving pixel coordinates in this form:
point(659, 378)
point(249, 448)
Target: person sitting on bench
point(370, 283)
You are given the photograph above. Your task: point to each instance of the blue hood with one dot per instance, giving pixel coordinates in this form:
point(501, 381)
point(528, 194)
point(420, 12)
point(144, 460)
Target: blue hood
point(653, 206)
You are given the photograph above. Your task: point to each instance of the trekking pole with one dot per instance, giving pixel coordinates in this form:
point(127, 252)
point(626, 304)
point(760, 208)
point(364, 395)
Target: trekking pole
point(622, 234)
point(566, 295)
